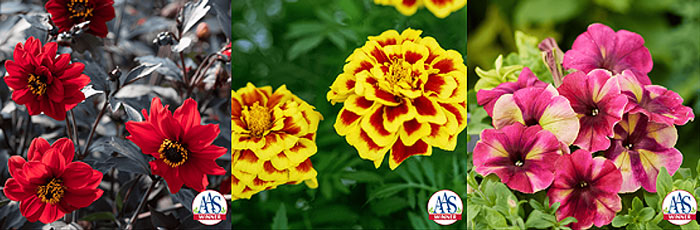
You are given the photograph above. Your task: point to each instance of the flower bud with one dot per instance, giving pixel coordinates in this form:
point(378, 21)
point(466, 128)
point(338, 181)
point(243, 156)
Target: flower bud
point(163, 39)
point(203, 31)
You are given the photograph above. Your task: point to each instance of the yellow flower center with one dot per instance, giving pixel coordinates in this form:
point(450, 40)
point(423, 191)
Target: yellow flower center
point(37, 84)
point(79, 9)
point(258, 120)
point(173, 153)
point(51, 192)
point(399, 70)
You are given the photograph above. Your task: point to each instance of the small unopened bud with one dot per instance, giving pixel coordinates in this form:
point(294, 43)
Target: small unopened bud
point(512, 203)
point(203, 31)
point(64, 39)
point(470, 190)
point(164, 39)
point(115, 74)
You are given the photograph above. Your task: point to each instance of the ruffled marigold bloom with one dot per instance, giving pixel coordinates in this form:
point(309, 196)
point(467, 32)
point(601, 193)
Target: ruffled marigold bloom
point(521, 156)
point(488, 98)
point(602, 47)
point(640, 148)
point(656, 102)
point(182, 147)
point(440, 8)
point(587, 189)
point(273, 136)
point(50, 185)
point(43, 81)
point(538, 106)
point(67, 13)
point(597, 101)
point(401, 93)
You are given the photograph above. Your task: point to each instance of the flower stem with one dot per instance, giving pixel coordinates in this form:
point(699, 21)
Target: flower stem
point(74, 130)
point(154, 182)
point(94, 126)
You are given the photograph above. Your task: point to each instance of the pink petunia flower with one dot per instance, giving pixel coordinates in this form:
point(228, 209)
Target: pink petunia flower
point(656, 102)
point(597, 101)
point(521, 156)
point(587, 189)
point(640, 148)
point(538, 106)
point(488, 98)
point(602, 48)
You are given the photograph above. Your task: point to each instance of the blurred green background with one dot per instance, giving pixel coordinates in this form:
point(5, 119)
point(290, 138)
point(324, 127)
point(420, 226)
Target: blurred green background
point(670, 28)
point(304, 44)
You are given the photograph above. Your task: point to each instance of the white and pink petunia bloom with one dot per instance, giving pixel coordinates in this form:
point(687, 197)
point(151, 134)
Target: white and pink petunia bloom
point(596, 99)
point(521, 156)
point(640, 148)
point(488, 98)
point(538, 106)
point(600, 47)
point(587, 189)
point(656, 102)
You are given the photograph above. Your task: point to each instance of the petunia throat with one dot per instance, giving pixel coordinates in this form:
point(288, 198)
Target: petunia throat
point(80, 9)
point(173, 153)
point(258, 119)
point(51, 192)
point(37, 84)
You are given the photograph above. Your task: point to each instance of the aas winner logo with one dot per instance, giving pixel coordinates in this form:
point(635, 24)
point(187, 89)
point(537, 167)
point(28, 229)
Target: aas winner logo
point(445, 207)
point(209, 207)
point(679, 207)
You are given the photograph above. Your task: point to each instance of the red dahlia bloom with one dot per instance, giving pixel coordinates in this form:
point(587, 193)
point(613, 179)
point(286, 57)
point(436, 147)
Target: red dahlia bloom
point(50, 185)
point(67, 13)
point(181, 145)
point(43, 81)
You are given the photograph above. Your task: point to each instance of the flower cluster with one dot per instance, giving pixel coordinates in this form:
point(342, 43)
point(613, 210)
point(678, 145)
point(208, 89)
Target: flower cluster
point(49, 184)
point(440, 8)
point(272, 138)
point(402, 93)
point(606, 104)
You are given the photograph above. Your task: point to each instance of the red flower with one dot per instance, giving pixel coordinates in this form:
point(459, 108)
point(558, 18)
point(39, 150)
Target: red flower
point(43, 81)
point(67, 13)
point(50, 185)
point(181, 145)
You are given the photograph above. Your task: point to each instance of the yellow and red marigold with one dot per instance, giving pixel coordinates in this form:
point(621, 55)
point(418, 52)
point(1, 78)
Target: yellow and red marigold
point(272, 137)
point(401, 93)
point(440, 8)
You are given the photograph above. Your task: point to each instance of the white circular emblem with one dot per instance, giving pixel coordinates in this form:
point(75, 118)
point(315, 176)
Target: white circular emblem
point(445, 207)
point(679, 207)
point(209, 207)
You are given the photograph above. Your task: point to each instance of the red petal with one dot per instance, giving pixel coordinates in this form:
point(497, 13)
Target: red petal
point(14, 191)
point(15, 164)
point(143, 135)
point(32, 208)
point(79, 176)
point(192, 177)
point(82, 198)
point(37, 148)
point(50, 214)
point(188, 114)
